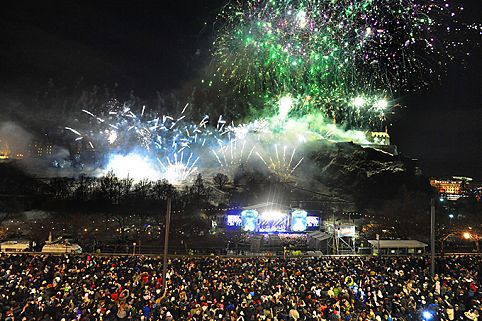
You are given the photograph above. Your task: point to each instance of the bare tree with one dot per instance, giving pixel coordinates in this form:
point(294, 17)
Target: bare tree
point(220, 180)
point(142, 189)
point(109, 188)
point(61, 187)
point(161, 189)
point(125, 187)
point(83, 187)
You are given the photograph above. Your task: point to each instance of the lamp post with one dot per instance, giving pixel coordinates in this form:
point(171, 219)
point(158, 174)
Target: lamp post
point(462, 235)
point(475, 238)
point(378, 246)
point(432, 236)
point(166, 245)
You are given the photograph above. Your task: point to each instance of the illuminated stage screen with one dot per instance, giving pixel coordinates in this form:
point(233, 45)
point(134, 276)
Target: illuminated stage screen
point(233, 221)
point(298, 221)
point(312, 222)
point(273, 222)
point(249, 220)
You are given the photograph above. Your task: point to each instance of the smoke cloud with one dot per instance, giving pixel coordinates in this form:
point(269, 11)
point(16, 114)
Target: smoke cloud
point(14, 137)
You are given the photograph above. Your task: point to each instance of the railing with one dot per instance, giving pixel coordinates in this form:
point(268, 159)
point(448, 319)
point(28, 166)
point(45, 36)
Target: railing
point(246, 255)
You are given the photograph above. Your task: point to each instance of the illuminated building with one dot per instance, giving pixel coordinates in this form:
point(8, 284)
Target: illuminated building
point(451, 189)
point(380, 141)
point(378, 138)
point(5, 152)
point(38, 149)
point(447, 187)
point(48, 149)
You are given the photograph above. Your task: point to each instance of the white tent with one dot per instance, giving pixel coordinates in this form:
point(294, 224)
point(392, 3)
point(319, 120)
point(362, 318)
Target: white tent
point(398, 246)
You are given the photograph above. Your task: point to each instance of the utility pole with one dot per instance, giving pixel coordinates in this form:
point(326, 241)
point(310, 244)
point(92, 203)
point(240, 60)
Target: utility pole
point(432, 236)
point(166, 245)
point(379, 249)
point(335, 247)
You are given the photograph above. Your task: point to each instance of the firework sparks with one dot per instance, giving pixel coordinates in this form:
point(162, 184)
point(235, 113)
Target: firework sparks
point(177, 169)
point(281, 163)
point(233, 154)
point(134, 166)
point(325, 53)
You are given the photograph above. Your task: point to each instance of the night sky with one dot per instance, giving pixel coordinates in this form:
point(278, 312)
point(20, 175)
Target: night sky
point(162, 45)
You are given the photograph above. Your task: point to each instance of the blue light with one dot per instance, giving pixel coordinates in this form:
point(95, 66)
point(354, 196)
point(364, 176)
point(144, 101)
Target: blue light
point(427, 315)
point(298, 221)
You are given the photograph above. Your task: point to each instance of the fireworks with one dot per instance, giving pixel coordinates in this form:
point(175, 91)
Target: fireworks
point(233, 154)
point(322, 69)
point(285, 104)
point(134, 166)
point(148, 145)
point(178, 169)
point(282, 163)
point(323, 54)
point(143, 146)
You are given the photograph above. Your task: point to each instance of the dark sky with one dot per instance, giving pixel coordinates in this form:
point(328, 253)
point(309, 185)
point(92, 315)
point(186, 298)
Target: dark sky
point(151, 45)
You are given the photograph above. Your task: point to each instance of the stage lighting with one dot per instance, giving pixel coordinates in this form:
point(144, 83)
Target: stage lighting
point(272, 215)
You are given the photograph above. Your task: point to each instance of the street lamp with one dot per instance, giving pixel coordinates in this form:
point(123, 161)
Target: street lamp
point(475, 237)
point(465, 235)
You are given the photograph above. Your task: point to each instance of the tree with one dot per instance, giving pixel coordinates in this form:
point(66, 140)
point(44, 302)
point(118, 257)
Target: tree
point(6, 211)
point(60, 187)
point(220, 180)
point(83, 188)
point(161, 189)
point(198, 189)
point(142, 189)
point(125, 186)
point(123, 222)
point(109, 188)
point(408, 211)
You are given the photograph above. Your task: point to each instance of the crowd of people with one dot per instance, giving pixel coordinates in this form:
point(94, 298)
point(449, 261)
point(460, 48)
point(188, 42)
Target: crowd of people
point(84, 287)
point(294, 240)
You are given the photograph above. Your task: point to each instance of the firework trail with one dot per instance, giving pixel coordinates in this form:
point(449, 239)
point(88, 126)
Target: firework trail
point(281, 163)
point(233, 154)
